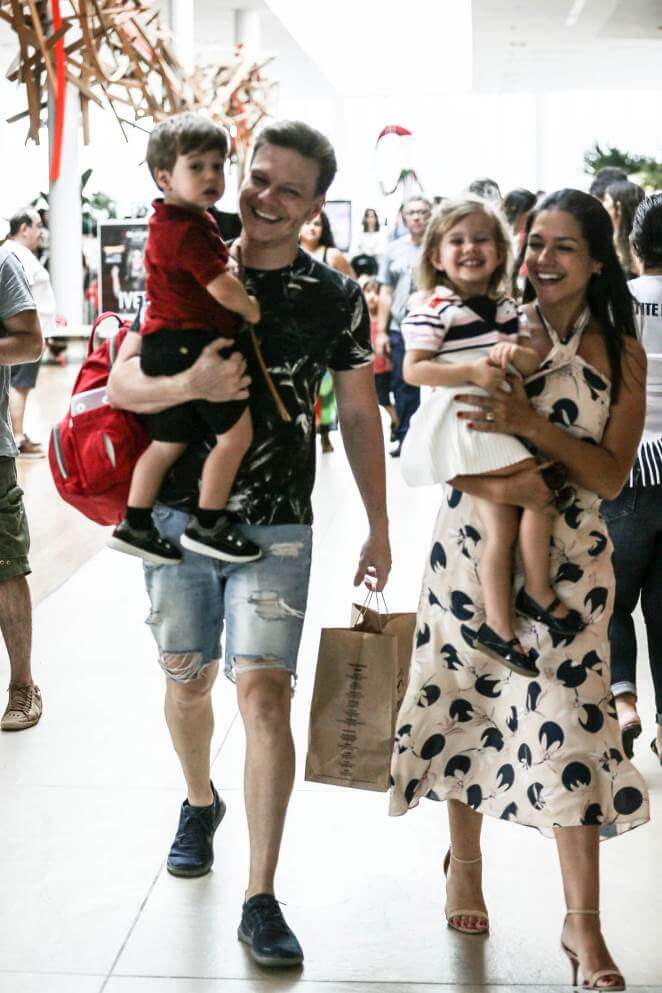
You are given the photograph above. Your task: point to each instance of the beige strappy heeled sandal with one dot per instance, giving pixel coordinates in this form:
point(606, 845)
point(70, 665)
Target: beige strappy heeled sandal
point(591, 982)
point(460, 912)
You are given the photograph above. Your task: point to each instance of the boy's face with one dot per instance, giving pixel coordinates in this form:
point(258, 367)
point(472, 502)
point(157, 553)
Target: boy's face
point(196, 181)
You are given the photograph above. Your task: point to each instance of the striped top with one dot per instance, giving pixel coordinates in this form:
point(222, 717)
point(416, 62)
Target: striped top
point(647, 293)
point(447, 324)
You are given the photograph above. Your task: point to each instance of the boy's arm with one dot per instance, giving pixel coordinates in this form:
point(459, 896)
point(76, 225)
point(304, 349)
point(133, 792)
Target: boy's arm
point(227, 290)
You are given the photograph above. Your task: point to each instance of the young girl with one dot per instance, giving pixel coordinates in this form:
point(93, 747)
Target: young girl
point(468, 335)
point(381, 365)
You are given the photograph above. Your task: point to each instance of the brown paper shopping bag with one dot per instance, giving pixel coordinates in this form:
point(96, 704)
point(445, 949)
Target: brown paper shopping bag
point(360, 681)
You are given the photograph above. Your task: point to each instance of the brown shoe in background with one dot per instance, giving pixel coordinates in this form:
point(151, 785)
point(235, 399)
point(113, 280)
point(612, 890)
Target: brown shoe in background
point(29, 449)
point(24, 707)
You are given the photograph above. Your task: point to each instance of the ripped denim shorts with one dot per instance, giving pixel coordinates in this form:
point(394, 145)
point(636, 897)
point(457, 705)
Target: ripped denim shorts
point(260, 605)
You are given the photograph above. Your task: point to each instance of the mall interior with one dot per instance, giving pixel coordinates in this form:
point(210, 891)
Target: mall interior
point(420, 100)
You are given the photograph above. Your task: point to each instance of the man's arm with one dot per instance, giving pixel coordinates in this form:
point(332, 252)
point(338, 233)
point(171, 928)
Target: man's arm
point(24, 341)
point(209, 378)
point(360, 424)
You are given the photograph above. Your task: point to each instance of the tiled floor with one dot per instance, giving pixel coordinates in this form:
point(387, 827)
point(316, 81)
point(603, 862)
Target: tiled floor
point(90, 801)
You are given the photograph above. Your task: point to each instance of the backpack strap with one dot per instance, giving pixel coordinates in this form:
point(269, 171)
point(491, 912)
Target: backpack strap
point(95, 341)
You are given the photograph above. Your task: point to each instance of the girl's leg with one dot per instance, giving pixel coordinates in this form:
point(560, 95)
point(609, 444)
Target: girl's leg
point(150, 470)
point(500, 525)
point(222, 463)
point(463, 883)
point(535, 535)
point(579, 856)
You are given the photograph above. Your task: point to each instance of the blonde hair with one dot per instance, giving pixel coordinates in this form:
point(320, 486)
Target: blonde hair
point(445, 217)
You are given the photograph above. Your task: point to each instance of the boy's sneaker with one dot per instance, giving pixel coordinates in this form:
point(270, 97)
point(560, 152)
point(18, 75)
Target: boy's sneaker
point(264, 928)
point(192, 852)
point(224, 541)
point(148, 545)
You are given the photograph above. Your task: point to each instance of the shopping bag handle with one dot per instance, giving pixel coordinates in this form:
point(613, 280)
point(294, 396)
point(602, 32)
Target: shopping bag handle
point(366, 604)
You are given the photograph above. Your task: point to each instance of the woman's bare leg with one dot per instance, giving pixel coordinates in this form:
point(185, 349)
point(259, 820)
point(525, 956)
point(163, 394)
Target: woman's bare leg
point(463, 883)
point(579, 856)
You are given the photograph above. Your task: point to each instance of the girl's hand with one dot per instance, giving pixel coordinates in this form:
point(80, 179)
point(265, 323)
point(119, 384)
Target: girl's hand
point(487, 375)
point(504, 354)
point(503, 413)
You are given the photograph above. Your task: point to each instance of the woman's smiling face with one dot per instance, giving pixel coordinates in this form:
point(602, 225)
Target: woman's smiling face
point(557, 257)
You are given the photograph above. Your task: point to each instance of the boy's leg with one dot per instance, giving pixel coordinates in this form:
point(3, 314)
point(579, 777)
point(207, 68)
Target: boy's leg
point(222, 463)
point(150, 470)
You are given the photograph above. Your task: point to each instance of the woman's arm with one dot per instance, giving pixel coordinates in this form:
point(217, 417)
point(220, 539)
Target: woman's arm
point(523, 489)
point(209, 378)
point(420, 370)
point(602, 468)
point(338, 261)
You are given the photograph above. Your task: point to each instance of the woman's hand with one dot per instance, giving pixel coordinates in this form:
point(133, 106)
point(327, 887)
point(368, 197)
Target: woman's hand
point(504, 413)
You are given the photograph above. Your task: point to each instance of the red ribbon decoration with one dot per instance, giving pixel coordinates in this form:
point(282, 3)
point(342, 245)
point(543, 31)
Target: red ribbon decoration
point(59, 98)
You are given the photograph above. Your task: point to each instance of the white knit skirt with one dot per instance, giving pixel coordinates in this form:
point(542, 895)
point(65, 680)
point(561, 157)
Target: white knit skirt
point(439, 445)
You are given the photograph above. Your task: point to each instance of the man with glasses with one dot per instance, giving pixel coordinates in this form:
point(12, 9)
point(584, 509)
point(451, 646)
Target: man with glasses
point(396, 285)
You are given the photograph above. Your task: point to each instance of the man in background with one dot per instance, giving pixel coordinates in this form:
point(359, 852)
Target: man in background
point(21, 341)
point(396, 285)
point(25, 234)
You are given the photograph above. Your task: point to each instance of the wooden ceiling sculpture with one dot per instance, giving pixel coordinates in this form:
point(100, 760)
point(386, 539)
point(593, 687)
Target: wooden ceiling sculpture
point(119, 56)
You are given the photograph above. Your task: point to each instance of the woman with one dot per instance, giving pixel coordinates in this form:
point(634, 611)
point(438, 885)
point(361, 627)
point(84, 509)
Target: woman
point(621, 201)
point(316, 238)
point(544, 752)
point(370, 244)
point(634, 518)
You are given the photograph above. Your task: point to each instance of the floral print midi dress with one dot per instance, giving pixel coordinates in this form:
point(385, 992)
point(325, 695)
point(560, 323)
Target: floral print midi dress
point(543, 752)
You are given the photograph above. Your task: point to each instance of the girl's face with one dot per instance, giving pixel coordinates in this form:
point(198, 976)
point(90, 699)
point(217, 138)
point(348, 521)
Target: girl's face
point(370, 218)
point(311, 231)
point(468, 255)
point(557, 258)
point(371, 294)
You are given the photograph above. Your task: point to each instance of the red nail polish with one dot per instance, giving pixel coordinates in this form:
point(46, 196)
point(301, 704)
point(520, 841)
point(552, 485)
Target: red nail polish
point(470, 424)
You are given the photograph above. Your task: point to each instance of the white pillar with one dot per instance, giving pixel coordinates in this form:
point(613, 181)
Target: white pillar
point(65, 215)
point(182, 25)
point(248, 31)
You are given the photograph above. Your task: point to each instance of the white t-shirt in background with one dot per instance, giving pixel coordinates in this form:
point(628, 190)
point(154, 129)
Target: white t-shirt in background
point(40, 285)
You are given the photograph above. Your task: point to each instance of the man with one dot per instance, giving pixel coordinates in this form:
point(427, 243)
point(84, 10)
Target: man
point(20, 341)
point(604, 178)
point(313, 318)
point(25, 234)
point(396, 279)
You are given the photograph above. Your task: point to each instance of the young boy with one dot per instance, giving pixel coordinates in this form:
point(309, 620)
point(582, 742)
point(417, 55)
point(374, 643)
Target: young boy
point(192, 299)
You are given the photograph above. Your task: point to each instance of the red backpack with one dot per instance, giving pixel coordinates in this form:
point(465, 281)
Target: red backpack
point(94, 448)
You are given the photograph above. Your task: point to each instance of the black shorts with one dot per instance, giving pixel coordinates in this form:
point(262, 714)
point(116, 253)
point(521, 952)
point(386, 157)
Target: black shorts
point(383, 388)
point(168, 352)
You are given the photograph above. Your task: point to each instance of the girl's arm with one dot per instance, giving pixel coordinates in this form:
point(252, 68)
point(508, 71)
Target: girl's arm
point(522, 356)
point(602, 468)
point(420, 370)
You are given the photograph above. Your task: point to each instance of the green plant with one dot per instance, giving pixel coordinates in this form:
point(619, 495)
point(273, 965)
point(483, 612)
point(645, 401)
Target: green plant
point(647, 169)
point(94, 207)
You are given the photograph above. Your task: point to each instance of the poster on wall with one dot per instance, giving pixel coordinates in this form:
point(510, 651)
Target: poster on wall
point(339, 213)
point(122, 266)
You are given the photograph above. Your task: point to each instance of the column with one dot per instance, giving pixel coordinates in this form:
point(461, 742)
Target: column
point(182, 25)
point(248, 31)
point(65, 216)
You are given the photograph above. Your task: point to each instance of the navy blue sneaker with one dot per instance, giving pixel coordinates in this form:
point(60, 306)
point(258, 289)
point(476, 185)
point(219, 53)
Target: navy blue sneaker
point(192, 851)
point(264, 928)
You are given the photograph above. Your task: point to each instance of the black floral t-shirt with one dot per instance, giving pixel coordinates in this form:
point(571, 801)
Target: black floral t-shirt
point(313, 318)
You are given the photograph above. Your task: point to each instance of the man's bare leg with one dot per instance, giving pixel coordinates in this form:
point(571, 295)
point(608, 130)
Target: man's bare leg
point(190, 720)
point(264, 703)
point(16, 626)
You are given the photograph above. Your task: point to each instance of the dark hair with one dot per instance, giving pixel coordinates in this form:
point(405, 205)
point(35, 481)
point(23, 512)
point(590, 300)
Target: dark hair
point(25, 215)
point(517, 202)
point(326, 238)
point(607, 292)
point(370, 210)
point(487, 189)
point(646, 234)
point(308, 142)
point(181, 135)
point(628, 196)
point(604, 178)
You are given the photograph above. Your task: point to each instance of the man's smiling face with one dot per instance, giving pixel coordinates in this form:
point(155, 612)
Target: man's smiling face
point(278, 195)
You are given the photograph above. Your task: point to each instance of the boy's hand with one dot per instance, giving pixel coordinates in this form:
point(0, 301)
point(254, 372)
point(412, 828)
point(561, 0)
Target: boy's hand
point(504, 354)
point(253, 312)
point(487, 375)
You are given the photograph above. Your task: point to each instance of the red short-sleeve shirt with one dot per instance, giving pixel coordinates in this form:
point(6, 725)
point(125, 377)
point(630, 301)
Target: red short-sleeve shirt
point(184, 253)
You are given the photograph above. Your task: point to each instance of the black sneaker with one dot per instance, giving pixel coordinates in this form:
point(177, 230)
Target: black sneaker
point(264, 928)
point(508, 652)
point(192, 851)
point(224, 541)
point(148, 545)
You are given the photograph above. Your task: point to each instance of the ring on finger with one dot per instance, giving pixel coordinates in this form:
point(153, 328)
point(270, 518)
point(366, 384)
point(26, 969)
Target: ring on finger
point(489, 416)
